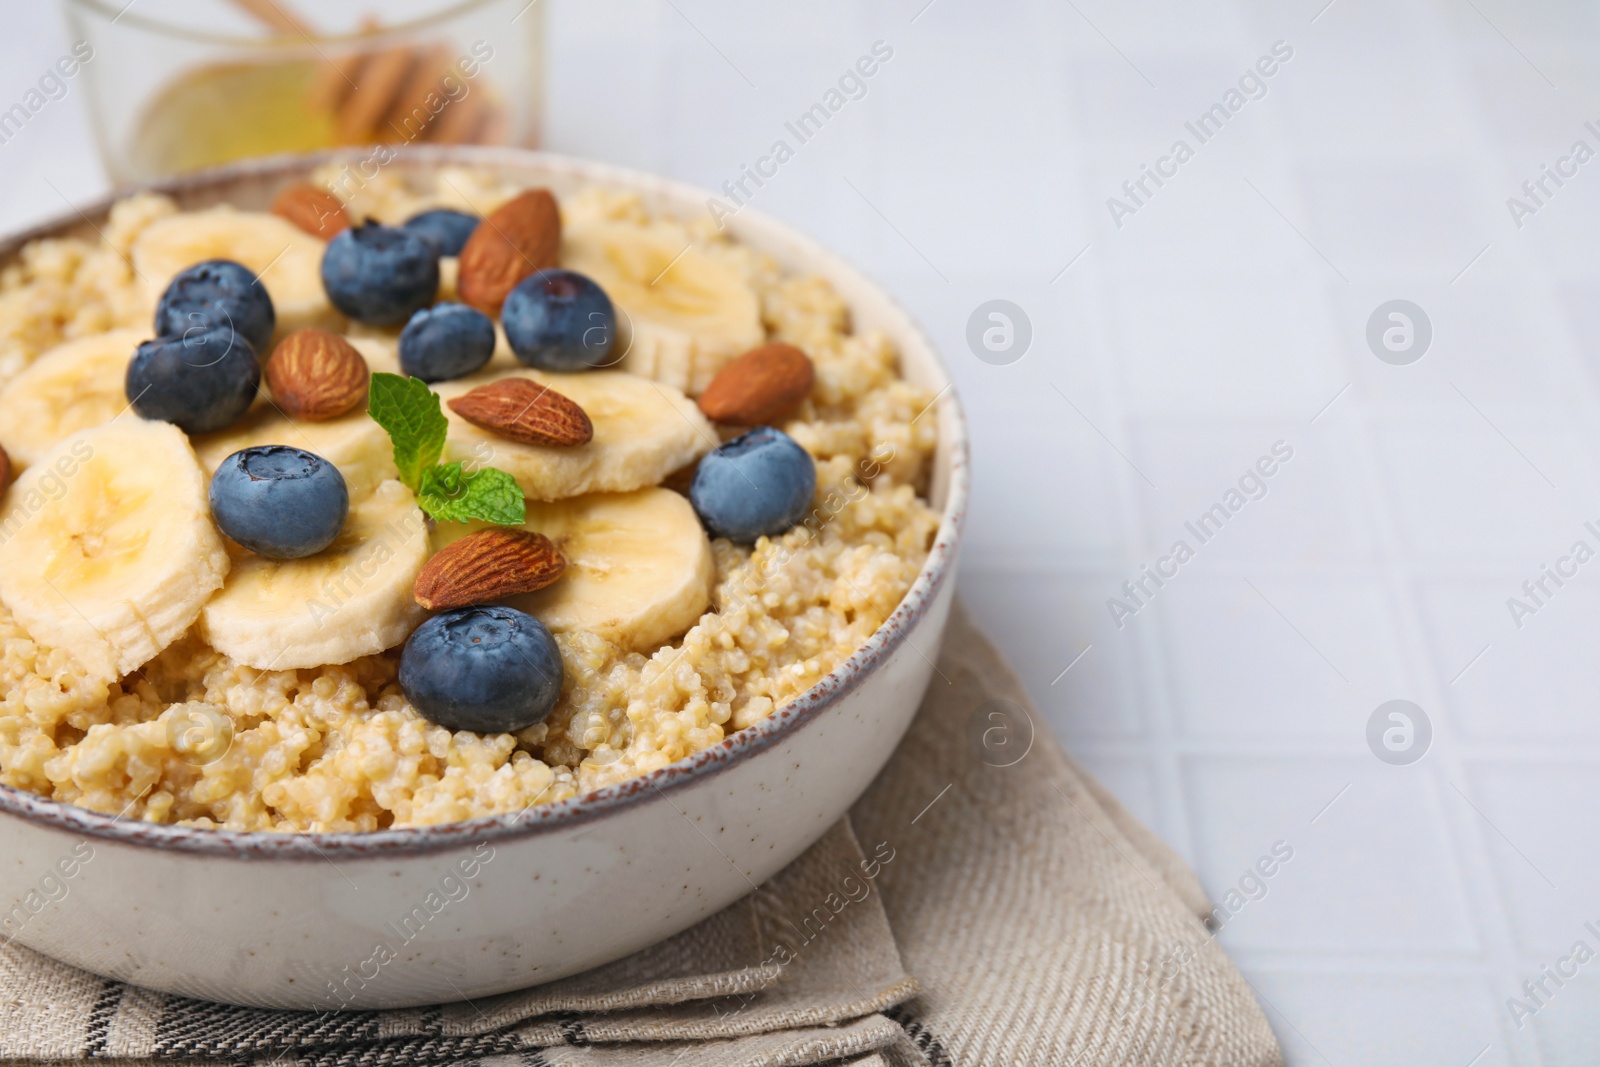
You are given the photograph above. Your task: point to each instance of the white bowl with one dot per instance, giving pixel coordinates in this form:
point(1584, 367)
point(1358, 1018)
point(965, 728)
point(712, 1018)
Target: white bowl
point(296, 920)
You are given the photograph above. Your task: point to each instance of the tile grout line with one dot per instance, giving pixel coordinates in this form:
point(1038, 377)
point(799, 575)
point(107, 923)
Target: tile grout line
point(1465, 847)
point(1149, 691)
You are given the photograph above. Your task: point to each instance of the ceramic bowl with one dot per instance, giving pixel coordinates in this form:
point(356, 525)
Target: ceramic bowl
point(297, 921)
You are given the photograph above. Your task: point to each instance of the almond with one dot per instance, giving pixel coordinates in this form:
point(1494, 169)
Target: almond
point(759, 387)
point(313, 209)
point(5, 470)
point(521, 236)
point(316, 375)
point(520, 409)
point(487, 565)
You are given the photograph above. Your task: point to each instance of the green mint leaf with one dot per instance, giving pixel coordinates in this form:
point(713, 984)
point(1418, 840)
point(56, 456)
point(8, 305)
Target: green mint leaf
point(451, 493)
point(409, 411)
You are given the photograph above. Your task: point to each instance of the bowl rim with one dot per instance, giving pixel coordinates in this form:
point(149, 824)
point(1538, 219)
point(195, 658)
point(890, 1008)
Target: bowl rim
point(561, 815)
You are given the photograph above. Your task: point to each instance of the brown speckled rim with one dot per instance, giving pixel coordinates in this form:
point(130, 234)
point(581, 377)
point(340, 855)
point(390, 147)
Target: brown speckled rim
point(560, 815)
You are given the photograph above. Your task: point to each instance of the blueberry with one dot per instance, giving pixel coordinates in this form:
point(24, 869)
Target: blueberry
point(446, 341)
point(380, 274)
point(559, 320)
point(491, 670)
point(218, 292)
point(760, 483)
point(279, 502)
point(201, 381)
point(448, 230)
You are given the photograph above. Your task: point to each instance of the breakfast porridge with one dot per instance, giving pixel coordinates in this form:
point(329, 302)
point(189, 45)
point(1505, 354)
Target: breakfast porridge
point(396, 518)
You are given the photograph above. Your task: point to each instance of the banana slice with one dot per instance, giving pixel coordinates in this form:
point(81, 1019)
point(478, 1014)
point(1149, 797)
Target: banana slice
point(353, 443)
point(107, 547)
point(643, 431)
point(353, 599)
point(683, 315)
point(380, 348)
point(639, 566)
point(73, 387)
point(288, 260)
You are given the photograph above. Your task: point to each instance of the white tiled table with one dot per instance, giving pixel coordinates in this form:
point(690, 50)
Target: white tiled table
point(1227, 313)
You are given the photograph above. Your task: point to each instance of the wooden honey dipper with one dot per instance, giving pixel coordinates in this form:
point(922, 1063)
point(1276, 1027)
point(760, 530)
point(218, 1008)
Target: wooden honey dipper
point(372, 93)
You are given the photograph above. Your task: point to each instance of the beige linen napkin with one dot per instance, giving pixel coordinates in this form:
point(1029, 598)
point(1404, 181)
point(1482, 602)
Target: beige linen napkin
point(1045, 924)
point(1041, 923)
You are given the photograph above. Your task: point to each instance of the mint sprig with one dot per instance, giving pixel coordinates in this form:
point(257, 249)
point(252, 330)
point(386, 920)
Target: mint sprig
point(410, 413)
point(452, 494)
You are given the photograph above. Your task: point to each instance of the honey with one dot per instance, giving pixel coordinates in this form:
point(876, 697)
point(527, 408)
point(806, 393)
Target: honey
point(222, 112)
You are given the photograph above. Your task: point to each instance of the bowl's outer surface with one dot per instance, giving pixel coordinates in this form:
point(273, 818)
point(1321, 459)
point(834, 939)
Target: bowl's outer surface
point(390, 919)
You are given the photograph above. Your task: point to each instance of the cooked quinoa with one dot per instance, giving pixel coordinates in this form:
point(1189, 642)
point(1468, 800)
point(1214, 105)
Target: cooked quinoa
point(338, 747)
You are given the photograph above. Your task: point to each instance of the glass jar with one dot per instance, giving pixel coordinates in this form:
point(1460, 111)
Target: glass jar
point(176, 85)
